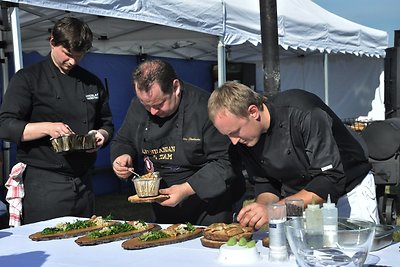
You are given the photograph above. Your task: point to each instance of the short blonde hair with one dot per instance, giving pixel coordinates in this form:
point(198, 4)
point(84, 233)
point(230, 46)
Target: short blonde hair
point(235, 98)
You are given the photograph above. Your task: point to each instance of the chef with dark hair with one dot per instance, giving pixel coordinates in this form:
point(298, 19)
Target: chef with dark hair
point(167, 126)
point(49, 99)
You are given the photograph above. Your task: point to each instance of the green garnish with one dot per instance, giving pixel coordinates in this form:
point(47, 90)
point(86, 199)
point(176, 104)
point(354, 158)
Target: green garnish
point(396, 236)
point(78, 224)
point(112, 230)
point(232, 241)
point(242, 241)
point(109, 217)
point(251, 244)
point(153, 235)
point(190, 227)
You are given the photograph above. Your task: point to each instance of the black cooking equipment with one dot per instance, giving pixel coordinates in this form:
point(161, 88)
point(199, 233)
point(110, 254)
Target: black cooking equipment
point(382, 139)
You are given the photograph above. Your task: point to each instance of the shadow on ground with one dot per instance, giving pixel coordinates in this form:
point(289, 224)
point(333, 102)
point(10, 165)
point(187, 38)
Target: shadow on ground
point(118, 206)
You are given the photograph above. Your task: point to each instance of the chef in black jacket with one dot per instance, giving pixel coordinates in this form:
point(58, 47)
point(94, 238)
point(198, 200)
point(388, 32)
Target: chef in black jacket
point(49, 99)
point(167, 127)
point(294, 146)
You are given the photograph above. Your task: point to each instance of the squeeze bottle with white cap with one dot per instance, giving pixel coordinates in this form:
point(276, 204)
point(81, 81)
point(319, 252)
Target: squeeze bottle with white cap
point(330, 221)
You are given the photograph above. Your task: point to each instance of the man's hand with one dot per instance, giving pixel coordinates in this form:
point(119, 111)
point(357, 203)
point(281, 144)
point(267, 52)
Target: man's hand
point(101, 137)
point(177, 193)
point(254, 215)
point(122, 166)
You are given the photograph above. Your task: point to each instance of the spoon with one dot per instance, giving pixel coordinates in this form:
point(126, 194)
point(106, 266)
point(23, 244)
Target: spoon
point(129, 169)
point(134, 173)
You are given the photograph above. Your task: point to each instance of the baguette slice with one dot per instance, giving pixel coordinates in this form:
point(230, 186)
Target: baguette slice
point(211, 243)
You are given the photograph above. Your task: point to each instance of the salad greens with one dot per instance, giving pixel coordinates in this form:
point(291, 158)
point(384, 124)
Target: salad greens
point(78, 224)
point(153, 235)
point(116, 228)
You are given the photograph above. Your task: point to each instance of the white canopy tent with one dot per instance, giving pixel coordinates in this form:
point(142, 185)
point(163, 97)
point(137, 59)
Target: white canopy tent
point(215, 29)
point(339, 60)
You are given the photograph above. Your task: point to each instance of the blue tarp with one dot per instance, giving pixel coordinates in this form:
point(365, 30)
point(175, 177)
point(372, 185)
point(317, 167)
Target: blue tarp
point(116, 71)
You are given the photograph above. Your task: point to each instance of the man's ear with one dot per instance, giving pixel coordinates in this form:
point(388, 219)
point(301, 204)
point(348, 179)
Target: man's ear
point(253, 112)
point(177, 86)
point(51, 41)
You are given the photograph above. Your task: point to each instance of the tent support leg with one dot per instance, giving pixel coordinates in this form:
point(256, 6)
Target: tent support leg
point(326, 78)
point(221, 62)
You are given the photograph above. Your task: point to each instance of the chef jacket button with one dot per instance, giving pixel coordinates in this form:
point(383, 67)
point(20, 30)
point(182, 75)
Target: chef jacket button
point(288, 152)
point(83, 100)
point(84, 121)
point(146, 129)
point(281, 125)
point(262, 161)
point(58, 97)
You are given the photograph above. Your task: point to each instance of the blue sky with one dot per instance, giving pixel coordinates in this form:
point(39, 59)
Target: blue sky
point(379, 14)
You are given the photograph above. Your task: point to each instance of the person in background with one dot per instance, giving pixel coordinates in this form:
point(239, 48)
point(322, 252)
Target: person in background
point(294, 146)
point(52, 98)
point(167, 126)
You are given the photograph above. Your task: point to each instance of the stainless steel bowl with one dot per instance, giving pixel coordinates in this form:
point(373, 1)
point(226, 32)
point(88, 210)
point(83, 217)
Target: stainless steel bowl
point(73, 142)
point(383, 236)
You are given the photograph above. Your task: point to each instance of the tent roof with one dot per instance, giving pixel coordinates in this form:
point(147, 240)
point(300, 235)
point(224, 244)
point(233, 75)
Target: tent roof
point(191, 29)
point(304, 25)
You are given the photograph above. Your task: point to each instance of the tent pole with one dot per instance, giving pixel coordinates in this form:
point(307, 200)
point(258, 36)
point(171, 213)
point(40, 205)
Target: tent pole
point(6, 145)
point(326, 78)
point(221, 62)
point(270, 46)
point(16, 37)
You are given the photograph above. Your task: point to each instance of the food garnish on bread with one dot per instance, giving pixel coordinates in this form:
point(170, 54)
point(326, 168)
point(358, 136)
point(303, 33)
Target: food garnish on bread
point(71, 229)
point(173, 234)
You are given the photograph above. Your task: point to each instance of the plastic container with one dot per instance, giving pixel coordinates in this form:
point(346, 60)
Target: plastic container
point(314, 224)
point(330, 222)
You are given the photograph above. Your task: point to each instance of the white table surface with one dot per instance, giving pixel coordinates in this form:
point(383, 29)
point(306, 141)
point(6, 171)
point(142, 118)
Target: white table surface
point(16, 249)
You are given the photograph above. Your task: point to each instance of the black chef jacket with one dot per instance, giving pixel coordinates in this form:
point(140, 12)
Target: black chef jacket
point(306, 147)
point(41, 93)
point(184, 147)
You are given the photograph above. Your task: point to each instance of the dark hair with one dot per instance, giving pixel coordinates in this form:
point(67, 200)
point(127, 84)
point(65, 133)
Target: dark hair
point(73, 34)
point(154, 70)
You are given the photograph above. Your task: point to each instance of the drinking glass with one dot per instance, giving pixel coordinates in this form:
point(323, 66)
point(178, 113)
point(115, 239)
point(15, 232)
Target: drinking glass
point(294, 208)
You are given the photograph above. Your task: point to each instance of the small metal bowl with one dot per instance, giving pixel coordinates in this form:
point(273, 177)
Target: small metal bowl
point(383, 236)
point(73, 142)
point(147, 187)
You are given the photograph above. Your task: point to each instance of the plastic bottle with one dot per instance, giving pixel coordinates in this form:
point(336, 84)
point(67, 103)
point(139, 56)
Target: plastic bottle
point(314, 225)
point(330, 221)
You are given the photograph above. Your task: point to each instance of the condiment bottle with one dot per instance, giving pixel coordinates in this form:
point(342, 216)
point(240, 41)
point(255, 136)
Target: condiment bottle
point(314, 225)
point(277, 238)
point(330, 221)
